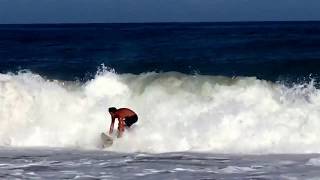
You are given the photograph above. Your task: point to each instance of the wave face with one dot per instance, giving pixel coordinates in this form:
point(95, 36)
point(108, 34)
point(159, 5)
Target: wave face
point(177, 112)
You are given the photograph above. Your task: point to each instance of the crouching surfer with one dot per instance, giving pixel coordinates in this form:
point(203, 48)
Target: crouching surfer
point(125, 116)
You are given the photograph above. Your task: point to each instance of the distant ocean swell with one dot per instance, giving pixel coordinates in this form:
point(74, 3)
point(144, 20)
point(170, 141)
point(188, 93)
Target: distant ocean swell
point(177, 112)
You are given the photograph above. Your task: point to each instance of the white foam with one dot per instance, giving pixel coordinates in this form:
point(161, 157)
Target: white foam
point(313, 162)
point(235, 170)
point(177, 112)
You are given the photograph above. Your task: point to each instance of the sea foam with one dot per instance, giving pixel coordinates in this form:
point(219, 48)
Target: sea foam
point(177, 112)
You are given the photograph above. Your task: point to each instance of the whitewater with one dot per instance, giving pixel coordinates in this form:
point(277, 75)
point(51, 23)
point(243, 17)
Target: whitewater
point(177, 112)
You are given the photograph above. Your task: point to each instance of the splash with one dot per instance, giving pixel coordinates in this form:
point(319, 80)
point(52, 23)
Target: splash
point(177, 112)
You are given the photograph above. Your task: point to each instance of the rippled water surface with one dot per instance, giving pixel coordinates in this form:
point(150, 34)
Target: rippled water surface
point(75, 164)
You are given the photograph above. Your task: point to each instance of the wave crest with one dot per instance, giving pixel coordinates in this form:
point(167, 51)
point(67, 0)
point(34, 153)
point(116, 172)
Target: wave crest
point(177, 112)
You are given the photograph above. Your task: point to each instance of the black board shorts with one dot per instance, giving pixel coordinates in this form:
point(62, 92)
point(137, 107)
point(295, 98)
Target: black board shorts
point(131, 120)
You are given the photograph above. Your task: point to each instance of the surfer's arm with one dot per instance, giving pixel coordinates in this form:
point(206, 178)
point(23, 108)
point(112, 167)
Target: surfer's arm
point(111, 126)
point(121, 127)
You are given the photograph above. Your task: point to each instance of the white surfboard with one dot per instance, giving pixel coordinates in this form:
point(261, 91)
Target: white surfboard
point(107, 141)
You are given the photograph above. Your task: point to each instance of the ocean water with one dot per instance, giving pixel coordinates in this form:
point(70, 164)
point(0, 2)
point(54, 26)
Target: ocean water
point(214, 100)
point(74, 164)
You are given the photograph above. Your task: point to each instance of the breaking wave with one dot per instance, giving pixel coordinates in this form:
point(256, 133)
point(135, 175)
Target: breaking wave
point(177, 112)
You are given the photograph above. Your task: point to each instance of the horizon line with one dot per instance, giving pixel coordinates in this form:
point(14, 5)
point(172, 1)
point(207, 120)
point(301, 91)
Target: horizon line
point(159, 22)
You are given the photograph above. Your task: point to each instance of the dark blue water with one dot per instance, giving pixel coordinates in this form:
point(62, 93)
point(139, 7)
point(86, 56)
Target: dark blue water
point(267, 50)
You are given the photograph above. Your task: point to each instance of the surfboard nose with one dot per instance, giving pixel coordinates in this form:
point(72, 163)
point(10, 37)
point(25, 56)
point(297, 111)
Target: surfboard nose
point(107, 141)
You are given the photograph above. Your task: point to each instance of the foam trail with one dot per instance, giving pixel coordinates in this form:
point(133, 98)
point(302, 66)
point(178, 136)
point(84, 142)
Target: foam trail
point(177, 112)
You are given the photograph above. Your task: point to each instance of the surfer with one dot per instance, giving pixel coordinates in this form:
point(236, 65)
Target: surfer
point(126, 118)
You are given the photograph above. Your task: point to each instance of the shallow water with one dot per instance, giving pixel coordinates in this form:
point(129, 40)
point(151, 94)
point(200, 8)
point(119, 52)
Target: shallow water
point(42, 163)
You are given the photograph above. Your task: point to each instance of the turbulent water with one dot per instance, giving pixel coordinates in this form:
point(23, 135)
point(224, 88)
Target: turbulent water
point(177, 112)
point(207, 95)
point(74, 164)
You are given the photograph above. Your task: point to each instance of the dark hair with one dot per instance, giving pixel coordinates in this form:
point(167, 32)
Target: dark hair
point(112, 109)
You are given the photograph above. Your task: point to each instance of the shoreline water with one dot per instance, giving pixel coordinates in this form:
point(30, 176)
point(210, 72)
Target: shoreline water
point(52, 163)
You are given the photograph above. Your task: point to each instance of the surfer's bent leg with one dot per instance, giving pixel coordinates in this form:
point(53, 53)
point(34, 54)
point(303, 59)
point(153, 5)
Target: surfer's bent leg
point(131, 120)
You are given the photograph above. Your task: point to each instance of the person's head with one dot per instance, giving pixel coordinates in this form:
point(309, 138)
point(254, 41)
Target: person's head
point(112, 110)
